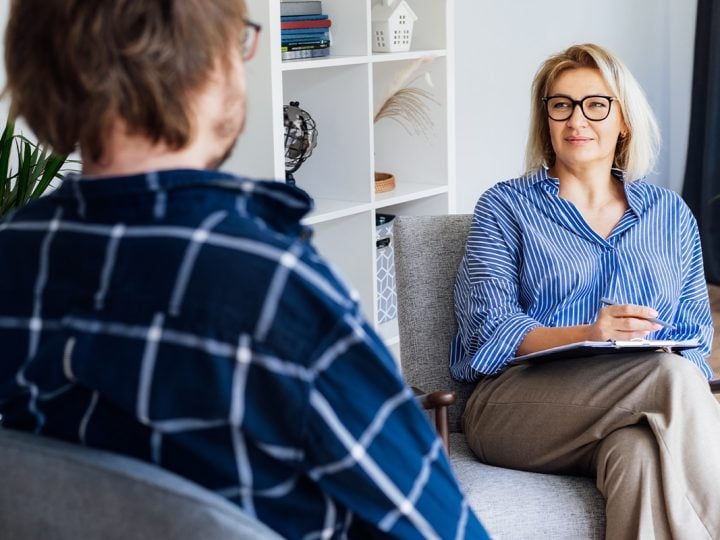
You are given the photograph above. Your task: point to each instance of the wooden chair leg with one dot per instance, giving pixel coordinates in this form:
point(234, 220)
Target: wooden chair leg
point(441, 424)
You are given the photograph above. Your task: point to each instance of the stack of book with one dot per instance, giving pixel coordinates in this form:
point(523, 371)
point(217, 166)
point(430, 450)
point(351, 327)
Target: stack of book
point(304, 29)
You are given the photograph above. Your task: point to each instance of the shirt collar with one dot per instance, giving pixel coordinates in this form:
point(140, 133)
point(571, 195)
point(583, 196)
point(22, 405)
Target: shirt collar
point(635, 191)
point(268, 196)
point(278, 205)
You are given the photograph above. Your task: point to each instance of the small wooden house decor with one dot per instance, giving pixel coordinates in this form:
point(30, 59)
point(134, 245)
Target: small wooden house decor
point(392, 26)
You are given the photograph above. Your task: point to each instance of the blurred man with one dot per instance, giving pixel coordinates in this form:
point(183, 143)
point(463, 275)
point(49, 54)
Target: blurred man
point(158, 308)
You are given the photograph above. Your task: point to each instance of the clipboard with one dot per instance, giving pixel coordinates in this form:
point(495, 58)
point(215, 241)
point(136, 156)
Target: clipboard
point(594, 348)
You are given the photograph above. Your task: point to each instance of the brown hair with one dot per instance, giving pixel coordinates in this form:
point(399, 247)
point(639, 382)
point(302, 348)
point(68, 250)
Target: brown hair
point(636, 152)
point(75, 66)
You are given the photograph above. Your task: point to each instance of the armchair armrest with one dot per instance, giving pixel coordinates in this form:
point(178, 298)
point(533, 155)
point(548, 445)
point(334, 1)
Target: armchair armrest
point(715, 386)
point(439, 402)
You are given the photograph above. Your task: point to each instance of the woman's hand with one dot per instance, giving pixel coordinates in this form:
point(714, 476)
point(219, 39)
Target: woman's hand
point(623, 322)
point(618, 322)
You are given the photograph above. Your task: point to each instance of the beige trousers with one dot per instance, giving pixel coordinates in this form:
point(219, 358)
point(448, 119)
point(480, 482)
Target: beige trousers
point(645, 425)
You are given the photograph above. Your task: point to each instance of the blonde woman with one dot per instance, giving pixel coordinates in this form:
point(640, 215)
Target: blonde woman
point(543, 250)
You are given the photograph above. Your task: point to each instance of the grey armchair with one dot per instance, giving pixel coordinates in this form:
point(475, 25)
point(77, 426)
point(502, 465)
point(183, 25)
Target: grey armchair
point(512, 504)
point(57, 491)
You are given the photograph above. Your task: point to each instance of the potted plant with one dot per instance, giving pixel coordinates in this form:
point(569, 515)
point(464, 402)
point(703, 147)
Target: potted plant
point(27, 169)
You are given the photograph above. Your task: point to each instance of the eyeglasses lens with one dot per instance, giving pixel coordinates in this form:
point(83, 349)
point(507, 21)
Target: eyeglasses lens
point(249, 41)
point(593, 107)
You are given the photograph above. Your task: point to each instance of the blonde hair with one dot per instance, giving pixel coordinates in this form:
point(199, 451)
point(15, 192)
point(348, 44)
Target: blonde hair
point(637, 151)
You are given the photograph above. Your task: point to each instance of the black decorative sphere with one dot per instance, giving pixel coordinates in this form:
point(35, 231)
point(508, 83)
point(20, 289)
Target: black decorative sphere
point(300, 138)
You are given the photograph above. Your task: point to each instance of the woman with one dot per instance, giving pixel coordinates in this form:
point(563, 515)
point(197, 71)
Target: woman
point(542, 251)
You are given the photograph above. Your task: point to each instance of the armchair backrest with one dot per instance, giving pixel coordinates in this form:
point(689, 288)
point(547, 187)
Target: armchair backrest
point(53, 489)
point(428, 250)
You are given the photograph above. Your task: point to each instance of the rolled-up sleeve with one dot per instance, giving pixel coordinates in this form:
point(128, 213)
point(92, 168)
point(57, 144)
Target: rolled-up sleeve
point(693, 318)
point(491, 322)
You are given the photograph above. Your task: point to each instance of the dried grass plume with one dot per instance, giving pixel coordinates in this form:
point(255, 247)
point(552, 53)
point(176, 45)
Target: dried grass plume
point(408, 105)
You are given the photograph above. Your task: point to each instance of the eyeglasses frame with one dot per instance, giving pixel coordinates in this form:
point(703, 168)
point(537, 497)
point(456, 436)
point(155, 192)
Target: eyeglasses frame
point(247, 55)
point(578, 103)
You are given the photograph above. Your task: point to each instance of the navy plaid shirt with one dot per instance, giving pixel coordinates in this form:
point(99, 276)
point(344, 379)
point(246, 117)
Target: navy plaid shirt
point(182, 317)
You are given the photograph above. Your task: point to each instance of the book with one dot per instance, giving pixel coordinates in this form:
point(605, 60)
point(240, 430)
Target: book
point(304, 41)
point(306, 46)
point(593, 348)
point(293, 31)
point(291, 25)
point(303, 18)
point(308, 7)
point(310, 53)
point(305, 37)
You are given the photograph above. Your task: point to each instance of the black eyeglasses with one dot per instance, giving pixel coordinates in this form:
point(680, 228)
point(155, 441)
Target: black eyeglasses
point(250, 40)
point(595, 108)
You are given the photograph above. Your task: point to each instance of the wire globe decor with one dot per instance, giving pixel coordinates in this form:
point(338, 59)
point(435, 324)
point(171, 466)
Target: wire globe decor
point(300, 138)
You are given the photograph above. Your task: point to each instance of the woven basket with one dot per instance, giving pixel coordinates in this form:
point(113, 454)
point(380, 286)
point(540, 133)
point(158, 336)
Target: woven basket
point(384, 182)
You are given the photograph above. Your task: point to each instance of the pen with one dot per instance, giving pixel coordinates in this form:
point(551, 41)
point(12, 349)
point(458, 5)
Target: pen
point(609, 302)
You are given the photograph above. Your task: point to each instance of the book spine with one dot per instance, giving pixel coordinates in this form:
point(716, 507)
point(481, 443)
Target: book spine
point(290, 25)
point(302, 40)
point(306, 46)
point(305, 42)
point(305, 37)
point(310, 7)
point(304, 18)
point(292, 31)
point(310, 53)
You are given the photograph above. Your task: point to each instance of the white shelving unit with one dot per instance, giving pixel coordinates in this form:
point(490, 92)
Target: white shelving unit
point(341, 93)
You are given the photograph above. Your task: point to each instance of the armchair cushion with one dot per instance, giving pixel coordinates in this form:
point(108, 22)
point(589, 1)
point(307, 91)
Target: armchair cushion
point(56, 490)
point(519, 504)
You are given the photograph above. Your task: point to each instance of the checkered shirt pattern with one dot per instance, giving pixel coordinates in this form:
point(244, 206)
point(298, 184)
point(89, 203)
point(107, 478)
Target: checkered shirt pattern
point(184, 318)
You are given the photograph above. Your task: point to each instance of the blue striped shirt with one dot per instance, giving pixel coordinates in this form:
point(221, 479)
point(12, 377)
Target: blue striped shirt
point(182, 317)
point(532, 260)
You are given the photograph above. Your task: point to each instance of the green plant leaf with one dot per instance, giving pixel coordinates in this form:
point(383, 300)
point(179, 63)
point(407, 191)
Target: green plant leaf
point(24, 174)
point(37, 167)
point(5, 151)
point(51, 170)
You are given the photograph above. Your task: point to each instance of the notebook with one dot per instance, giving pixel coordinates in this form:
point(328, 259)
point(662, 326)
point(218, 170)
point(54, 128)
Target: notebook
point(594, 348)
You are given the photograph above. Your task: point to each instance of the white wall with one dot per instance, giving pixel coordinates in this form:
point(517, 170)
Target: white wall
point(4, 10)
point(499, 46)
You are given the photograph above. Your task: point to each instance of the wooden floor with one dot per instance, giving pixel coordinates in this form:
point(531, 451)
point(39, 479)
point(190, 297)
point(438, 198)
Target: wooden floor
point(714, 292)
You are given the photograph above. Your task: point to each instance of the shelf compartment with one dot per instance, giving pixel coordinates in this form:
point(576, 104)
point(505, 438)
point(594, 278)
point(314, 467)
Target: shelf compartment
point(329, 209)
point(331, 61)
point(408, 191)
point(410, 55)
point(430, 30)
point(413, 157)
point(349, 243)
point(338, 99)
point(425, 206)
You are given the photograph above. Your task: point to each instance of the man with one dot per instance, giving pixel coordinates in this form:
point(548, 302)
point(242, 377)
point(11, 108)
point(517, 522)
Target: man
point(158, 308)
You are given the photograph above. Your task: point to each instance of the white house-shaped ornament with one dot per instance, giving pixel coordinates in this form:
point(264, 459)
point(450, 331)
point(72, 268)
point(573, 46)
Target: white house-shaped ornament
point(392, 26)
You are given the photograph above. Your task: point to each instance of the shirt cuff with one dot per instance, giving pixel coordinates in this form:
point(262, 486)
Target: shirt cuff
point(493, 355)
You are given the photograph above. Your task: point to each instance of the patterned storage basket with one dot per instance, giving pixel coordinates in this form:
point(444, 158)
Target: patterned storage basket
point(385, 256)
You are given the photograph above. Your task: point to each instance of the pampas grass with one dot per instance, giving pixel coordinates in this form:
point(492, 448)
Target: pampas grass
point(408, 105)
